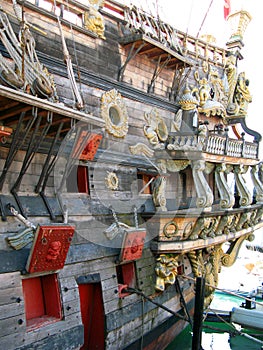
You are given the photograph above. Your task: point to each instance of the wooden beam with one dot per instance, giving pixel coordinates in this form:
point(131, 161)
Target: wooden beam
point(57, 108)
point(15, 111)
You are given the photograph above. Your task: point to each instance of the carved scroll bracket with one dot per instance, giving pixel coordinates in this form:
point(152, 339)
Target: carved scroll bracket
point(245, 195)
point(227, 197)
point(231, 255)
point(177, 165)
point(257, 183)
point(204, 192)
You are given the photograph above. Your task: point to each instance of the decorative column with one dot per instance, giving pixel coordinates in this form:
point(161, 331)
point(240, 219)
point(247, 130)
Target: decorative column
point(159, 187)
point(257, 183)
point(204, 193)
point(245, 195)
point(227, 198)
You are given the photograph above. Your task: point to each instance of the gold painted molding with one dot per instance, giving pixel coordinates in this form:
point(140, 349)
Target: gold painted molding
point(114, 112)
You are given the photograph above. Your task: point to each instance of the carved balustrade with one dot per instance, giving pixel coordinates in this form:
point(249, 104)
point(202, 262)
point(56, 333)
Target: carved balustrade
point(215, 144)
point(140, 21)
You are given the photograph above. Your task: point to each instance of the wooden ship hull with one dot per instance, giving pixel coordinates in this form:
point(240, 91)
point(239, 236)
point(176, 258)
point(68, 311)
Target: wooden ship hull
point(122, 174)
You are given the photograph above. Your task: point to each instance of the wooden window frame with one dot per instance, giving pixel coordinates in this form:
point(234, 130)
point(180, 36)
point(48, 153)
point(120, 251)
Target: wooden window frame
point(145, 179)
point(80, 178)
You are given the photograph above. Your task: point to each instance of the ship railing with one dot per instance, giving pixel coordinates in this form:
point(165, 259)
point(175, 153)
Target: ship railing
point(139, 21)
point(214, 144)
point(136, 20)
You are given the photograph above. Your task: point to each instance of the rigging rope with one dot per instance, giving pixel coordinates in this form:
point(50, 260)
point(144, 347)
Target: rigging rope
point(75, 54)
point(139, 292)
point(75, 90)
point(234, 331)
point(189, 18)
point(204, 18)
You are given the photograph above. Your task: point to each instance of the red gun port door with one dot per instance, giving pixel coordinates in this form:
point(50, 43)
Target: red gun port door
point(92, 313)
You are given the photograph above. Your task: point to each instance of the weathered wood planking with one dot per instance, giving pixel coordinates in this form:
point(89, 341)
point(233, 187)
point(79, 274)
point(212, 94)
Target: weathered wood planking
point(71, 339)
point(61, 328)
point(12, 309)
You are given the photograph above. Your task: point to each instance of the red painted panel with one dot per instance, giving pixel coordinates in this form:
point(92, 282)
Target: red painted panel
point(92, 314)
point(33, 296)
point(91, 147)
point(128, 274)
point(83, 180)
point(52, 296)
point(86, 145)
point(132, 245)
point(50, 248)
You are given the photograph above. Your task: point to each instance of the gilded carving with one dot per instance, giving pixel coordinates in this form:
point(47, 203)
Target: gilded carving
point(93, 20)
point(231, 73)
point(166, 271)
point(170, 229)
point(176, 165)
point(205, 227)
point(188, 101)
point(230, 256)
point(141, 149)
point(242, 96)
point(242, 19)
point(207, 264)
point(112, 181)
point(209, 90)
point(155, 129)
point(25, 71)
point(159, 188)
point(187, 230)
point(258, 216)
point(177, 122)
point(238, 95)
point(159, 198)
point(114, 112)
point(218, 86)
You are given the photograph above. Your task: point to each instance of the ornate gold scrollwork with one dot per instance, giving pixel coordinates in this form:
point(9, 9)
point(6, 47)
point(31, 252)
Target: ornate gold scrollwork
point(93, 20)
point(112, 181)
point(207, 264)
point(166, 271)
point(170, 229)
point(155, 130)
point(114, 112)
point(230, 256)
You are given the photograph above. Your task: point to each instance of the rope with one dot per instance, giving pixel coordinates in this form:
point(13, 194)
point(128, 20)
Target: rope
point(234, 331)
point(75, 54)
point(76, 94)
point(189, 18)
point(204, 18)
point(139, 292)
